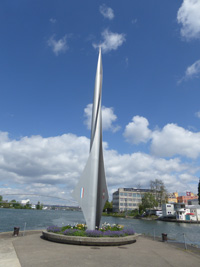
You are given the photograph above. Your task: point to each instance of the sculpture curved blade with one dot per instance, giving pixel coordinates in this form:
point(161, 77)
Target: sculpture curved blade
point(91, 190)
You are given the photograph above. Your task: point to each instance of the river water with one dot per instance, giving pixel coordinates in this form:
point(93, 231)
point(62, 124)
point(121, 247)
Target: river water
point(41, 219)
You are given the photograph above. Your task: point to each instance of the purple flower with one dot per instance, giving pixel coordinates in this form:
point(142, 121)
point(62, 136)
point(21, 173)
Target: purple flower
point(70, 231)
point(113, 233)
point(53, 229)
point(128, 231)
point(94, 233)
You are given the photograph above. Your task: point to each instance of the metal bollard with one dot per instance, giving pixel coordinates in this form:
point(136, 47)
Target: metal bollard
point(164, 237)
point(16, 231)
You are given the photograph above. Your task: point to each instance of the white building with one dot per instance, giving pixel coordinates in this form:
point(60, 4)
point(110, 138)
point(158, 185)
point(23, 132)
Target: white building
point(168, 210)
point(182, 212)
point(189, 213)
point(128, 198)
point(25, 201)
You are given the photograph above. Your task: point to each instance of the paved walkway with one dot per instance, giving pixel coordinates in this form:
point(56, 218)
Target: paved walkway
point(8, 256)
point(33, 251)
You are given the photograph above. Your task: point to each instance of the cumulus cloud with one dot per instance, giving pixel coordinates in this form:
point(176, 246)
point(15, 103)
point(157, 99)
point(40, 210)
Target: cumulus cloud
point(129, 170)
point(175, 140)
point(107, 12)
point(58, 46)
point(108, 118)
point(170, 141)
point(189, 17)
point(52, 166)
point(137, 131)
point(111, 41)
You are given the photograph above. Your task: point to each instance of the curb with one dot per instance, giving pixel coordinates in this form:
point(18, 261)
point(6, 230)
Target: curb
point(90, 241)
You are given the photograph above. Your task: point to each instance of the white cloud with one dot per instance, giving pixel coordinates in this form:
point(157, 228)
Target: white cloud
point(197, 114)
point(134, 21)
point(137, 131)
point(189, 17)
point(193, 70)
point(51, 166)
point(175, 140)
point(52, 20)
point(170, 141)
point(111, 41)
point(107, 12)
point(108, 118)
point(129, 170)
point(58, 46)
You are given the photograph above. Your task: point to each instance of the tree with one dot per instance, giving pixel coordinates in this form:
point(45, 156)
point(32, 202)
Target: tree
point(158, 189)
point(27, 206)
point(199, 192)
point(15, 204)
point(39, 206)
point(148, 201)
point(108, 206)
point(1, 198)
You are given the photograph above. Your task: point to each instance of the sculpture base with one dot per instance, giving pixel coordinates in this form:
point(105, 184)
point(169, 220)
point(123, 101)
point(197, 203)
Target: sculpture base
point(90, 241)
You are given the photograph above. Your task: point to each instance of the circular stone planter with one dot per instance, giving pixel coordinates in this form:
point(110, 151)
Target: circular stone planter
point(90, 241)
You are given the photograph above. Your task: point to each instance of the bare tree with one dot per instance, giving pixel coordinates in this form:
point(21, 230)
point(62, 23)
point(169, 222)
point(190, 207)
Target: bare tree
point(158, 189)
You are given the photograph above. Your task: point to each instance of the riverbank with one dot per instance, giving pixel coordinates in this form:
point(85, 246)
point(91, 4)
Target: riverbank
point(32, 250)
point(178, 221)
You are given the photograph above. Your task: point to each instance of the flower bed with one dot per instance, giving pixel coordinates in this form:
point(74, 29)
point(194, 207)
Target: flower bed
point(78, 234)
point(106, 230)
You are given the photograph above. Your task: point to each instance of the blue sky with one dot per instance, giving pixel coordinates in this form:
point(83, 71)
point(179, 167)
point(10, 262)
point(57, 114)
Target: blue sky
point(150, 97)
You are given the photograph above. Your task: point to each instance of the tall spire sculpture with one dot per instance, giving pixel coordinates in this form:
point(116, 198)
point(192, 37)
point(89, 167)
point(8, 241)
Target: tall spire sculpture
point(91, 191)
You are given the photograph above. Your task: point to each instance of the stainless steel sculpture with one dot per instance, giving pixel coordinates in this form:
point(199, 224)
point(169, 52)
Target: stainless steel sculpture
point(91, 190)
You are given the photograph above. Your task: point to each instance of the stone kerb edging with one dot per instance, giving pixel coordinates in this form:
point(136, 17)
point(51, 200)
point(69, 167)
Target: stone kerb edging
point(90, 241)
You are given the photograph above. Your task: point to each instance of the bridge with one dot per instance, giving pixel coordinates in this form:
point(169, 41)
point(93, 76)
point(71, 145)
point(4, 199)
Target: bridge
point(48, 196)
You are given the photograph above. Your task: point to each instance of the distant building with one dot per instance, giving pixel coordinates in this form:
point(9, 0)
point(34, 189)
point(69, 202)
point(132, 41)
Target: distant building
point(25, 201)
point(189, 213)
point(185, 199)
point(172, 197)
point(181, 211)
point(169, 209)
point(128, 198)
point(193, 202)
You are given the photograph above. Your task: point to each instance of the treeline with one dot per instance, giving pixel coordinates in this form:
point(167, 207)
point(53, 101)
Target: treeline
point(13, 204)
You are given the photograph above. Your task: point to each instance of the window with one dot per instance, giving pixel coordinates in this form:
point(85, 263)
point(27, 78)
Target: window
point(121, 194)
point(134, 194)
point(125, 194)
